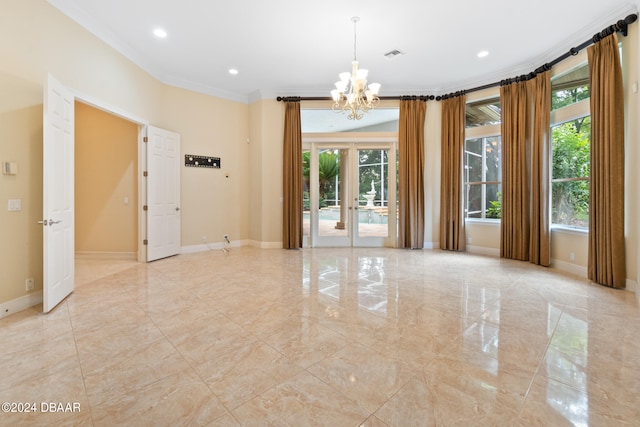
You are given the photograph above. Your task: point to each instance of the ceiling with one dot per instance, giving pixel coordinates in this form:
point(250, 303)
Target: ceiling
point(295, 47)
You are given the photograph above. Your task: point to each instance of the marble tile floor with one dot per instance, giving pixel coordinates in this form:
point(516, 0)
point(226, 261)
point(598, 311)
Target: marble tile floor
point(326, 337)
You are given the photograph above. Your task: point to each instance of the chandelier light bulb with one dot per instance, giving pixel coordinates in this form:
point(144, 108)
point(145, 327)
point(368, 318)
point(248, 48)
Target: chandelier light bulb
point(374, 88)
point(342, 86)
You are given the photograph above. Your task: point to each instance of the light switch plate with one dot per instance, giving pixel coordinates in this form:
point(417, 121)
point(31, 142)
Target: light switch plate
point(10, 168)
point(15, 204)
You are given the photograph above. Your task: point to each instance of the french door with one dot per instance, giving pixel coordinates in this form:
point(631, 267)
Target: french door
point(352, 194)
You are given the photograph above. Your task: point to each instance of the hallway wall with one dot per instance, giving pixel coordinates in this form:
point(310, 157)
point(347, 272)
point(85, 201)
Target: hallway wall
point(106, 173)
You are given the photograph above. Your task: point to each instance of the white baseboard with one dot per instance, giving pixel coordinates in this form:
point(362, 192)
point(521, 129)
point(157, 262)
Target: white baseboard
point(11, 307)
point(578, 270)
point(481, 250)
point(265, 245)
point(564, 266)
point(218, 246)
point(125, 256)
point(206, 247)
point(567, 267)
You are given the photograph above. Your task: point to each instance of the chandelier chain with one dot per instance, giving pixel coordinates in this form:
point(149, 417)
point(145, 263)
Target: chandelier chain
point(355, 35)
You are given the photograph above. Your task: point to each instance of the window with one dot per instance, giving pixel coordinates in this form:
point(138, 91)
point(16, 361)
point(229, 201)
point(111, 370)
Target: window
point(570, 145)
point(483, 160)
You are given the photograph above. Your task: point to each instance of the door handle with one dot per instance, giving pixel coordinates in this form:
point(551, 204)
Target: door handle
point(49, 222)
point(177, 209)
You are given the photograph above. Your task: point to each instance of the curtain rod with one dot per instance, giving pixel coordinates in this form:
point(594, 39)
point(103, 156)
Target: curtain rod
point(328, 98)
point(620, 26)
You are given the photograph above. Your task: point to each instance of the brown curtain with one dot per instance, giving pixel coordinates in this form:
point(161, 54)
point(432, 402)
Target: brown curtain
point(411, 174)
point(452, 236)
point(514, 230)
point(606, 207)
point(539, 243)
point(292, 178)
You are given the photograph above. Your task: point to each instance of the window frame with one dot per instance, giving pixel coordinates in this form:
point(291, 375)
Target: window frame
point(479, 132)
point(560, 116)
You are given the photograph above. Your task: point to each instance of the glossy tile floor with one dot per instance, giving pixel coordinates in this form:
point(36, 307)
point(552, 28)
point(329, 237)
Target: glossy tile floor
point(328, 337)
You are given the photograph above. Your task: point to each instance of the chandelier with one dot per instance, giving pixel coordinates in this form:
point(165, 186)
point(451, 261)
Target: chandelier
point(352, 95)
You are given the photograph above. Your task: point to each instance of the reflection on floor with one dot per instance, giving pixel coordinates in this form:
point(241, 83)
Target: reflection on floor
point(334, 337)
point(91, 269)
point(328, 228)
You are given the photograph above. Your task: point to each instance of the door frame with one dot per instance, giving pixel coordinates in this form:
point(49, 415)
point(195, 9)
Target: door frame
point(341, 141)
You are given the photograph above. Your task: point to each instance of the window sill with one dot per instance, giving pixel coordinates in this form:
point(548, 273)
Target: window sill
point(485, 221)
point(569, 230)
point(554, 228)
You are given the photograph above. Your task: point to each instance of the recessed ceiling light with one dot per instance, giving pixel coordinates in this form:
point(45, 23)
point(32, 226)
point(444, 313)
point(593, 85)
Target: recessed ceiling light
point(233, 71)
point(483, 53)
point(160, 33)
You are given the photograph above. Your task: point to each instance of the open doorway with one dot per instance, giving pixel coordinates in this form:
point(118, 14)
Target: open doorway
point(106, 193)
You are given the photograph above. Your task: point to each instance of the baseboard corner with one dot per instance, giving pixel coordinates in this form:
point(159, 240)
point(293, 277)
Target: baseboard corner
point(22, 303)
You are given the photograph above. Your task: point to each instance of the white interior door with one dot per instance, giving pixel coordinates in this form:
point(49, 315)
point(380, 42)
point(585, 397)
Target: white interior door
point(58, 193)
point(163, 193)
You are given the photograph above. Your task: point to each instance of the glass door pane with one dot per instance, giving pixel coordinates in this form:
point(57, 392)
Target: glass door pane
point(373, 191)
point(306, 193)
point(333, 164)
point(351, 190)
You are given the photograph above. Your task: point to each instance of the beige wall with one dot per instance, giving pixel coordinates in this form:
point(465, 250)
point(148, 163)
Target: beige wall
point(36, 39)
point(271, 178)
point(266, 157)
point(630, 69)
point(106, 170)
point(212, 203)
point(255, 165)
point(20, 142)
point(567, 244)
